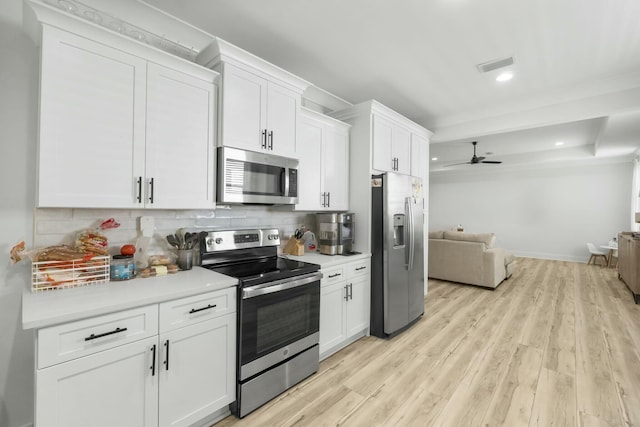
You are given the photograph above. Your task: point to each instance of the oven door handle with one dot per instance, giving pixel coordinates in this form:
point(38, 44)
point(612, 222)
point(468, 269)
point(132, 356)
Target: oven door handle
point(280, 285)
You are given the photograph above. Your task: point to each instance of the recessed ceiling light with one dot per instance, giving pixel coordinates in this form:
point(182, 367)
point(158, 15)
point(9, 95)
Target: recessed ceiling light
point(559, 143)
point(434, 158)
point(504, 77)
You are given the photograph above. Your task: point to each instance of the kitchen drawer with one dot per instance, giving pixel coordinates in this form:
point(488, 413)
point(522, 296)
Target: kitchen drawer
point(187, 311)
point(333, 275)
point(71, 340)
point(359, 268)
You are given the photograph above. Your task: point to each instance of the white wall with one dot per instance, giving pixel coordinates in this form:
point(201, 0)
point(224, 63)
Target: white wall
point(543, 213)
point(18, 99)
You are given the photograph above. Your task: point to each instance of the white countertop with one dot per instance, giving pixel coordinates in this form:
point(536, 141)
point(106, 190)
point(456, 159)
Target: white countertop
point(328, 260)
point(41, 309)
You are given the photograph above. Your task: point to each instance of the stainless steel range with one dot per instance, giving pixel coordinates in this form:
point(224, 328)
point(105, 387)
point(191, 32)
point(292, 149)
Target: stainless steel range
point(278, 313)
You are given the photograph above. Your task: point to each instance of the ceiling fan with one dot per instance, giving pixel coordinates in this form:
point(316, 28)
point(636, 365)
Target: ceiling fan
point(475, 159)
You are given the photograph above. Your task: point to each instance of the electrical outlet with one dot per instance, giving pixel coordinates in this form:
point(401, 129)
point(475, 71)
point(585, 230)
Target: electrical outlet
point(147, 225)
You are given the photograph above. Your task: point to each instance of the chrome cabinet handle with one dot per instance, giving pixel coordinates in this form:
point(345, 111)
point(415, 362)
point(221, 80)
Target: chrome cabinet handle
point(270, 140)
point(264, 139)
point(346, 292)
point(350, 290)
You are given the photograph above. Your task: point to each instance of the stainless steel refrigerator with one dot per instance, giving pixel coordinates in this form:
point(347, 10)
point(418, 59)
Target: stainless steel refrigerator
point(397, 282)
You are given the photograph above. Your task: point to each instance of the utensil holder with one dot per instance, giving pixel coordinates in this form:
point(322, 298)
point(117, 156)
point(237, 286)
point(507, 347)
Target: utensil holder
point(185, 259)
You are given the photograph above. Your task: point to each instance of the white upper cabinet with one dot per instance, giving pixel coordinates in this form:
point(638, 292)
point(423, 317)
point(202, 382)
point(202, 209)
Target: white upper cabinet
point(324, 163)
point(119, 130)
point(243, 111)
point(391, 146)
point(92, 130)
point(420, 158)
point(259, 102)
point(335, 158)
point(179, 142)
point(282, 112)
point(257, 114)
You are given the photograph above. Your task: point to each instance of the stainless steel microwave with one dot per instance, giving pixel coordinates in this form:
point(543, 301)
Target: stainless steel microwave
point(256, 178)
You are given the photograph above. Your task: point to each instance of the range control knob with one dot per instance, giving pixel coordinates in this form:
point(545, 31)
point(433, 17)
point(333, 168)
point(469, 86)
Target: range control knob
point(209, 241)
point(218, 240)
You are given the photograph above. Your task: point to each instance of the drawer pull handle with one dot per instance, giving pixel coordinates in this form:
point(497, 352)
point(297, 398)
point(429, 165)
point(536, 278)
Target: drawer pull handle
point(153, 363)
point(209, 306)
point(331, 276)
point(360, 268)
point(115, 331)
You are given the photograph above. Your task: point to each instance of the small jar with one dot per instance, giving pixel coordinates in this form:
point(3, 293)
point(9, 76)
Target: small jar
point(123, 267)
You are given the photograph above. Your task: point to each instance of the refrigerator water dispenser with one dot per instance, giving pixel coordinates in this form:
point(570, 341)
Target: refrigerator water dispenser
point(398, 230)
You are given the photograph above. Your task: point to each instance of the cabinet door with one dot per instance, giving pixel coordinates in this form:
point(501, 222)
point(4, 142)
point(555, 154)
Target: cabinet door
point(282, 112)
point(336, 168)
point(358, 305)
point(114, 387)
point(401, 150)
point(310, 134)
point(197, 377)
point(332, 315)
point(244, 103)
point(179, 150)
point(420, 158)
point(92, 123)
point(382, 139)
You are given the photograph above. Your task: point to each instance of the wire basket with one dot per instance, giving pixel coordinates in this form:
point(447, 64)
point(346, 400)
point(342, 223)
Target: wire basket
point(48, 275)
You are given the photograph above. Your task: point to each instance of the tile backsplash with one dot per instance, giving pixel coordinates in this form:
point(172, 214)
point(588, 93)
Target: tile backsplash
point(55, 226)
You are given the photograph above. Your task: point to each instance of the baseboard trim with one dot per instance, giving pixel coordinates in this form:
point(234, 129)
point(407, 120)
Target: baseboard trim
point(552, 257)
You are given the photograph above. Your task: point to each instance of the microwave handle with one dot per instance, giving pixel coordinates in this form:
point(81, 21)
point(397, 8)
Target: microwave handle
point(285, 182)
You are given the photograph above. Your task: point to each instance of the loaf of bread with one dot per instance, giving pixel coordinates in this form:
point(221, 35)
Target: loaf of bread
point(60, 253)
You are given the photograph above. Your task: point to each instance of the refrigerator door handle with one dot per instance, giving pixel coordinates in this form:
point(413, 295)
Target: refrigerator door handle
point(407, 234)
point(412, 234)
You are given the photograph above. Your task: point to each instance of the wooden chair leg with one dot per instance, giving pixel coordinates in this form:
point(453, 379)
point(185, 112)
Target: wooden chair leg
point(591, 259)
point(605, 261)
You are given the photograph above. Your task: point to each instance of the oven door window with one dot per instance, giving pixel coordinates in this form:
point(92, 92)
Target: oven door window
point(254, 178)
point(275, 320)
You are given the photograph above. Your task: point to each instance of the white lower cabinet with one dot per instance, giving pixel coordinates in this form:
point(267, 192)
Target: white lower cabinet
point(114, 387)
point(197, 363)
point(173, 375)
point(344, 305)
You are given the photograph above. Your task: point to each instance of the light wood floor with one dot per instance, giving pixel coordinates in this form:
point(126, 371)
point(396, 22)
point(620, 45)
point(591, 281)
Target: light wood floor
point(557, 344)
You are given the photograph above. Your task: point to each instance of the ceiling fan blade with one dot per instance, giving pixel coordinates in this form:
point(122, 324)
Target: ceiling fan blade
point(495, 162)
point(458, 164)
point(479, 159)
